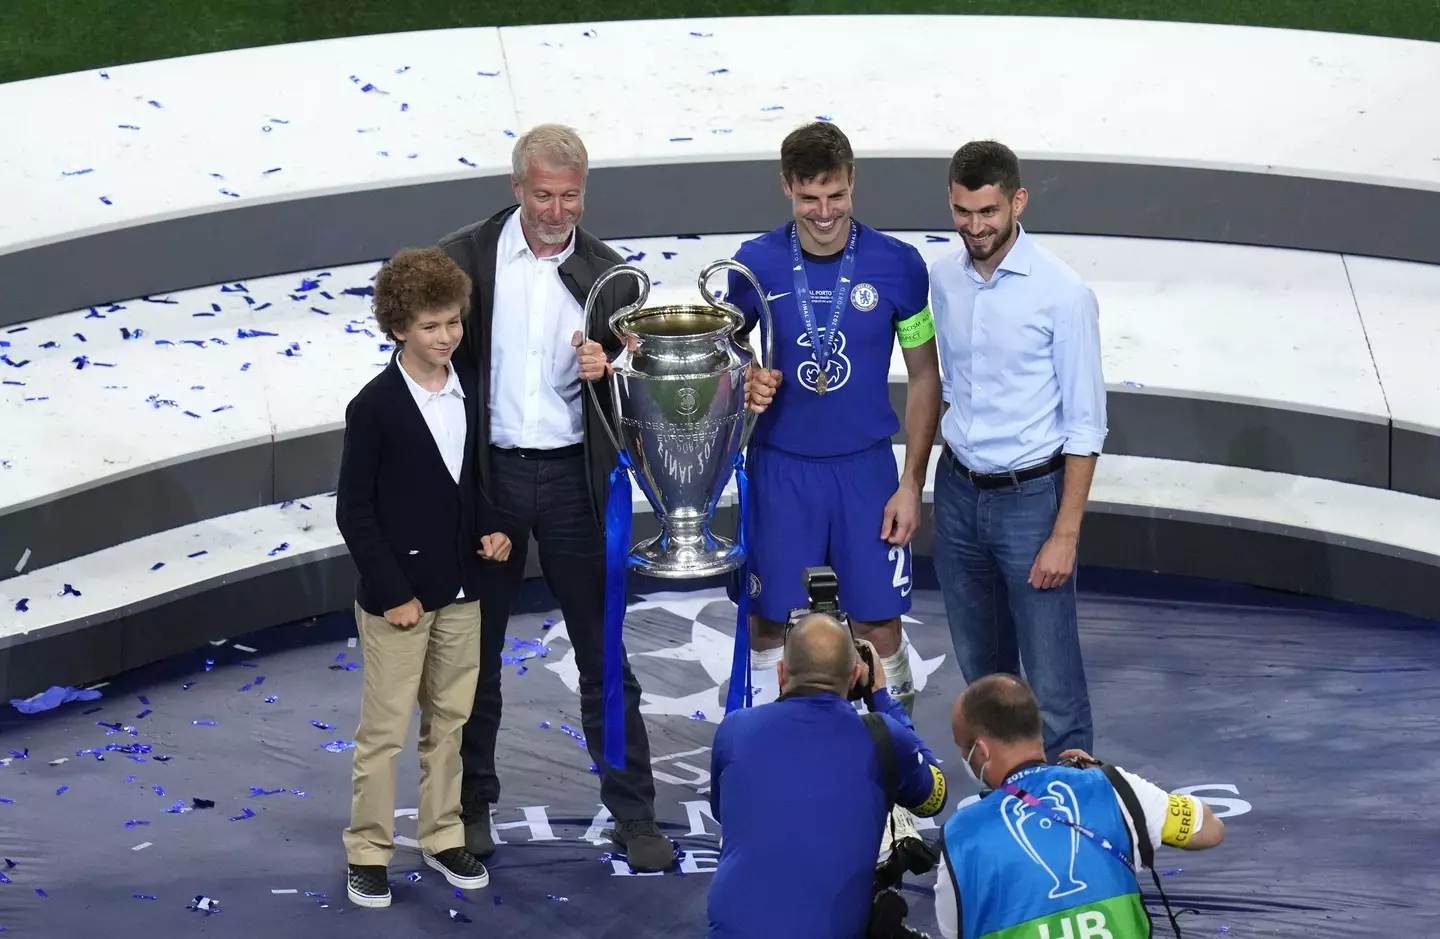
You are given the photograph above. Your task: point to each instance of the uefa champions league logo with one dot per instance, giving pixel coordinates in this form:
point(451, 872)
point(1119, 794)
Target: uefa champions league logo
point(1049, 843)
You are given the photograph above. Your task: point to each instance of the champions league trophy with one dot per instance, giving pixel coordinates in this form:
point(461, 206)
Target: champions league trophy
point(678, 394)
point(677, 391)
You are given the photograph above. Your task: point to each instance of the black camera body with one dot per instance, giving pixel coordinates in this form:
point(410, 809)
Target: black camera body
point(822, 591)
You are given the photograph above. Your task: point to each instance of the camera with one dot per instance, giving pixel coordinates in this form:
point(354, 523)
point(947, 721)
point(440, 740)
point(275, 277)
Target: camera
point(822, 593)
point(888, 908)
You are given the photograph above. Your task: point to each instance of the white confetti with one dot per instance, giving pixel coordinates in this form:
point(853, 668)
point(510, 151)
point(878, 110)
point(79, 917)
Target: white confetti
point(24, 559)
point(351, 642)
point(142, 846)
point(244, 648)
point(284, 891)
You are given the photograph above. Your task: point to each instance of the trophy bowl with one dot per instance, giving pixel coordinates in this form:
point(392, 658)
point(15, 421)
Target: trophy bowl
point(678, 395)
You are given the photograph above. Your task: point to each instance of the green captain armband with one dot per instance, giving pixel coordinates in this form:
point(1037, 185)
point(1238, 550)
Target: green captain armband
point(917, 330)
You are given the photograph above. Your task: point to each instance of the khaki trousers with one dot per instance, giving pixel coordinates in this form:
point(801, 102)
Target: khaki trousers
point(436, 662)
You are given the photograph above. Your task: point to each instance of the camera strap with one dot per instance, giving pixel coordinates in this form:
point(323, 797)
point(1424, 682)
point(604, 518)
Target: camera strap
point(885, 750)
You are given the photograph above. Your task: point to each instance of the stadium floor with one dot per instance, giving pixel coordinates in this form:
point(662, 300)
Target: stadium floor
point(1309, 726)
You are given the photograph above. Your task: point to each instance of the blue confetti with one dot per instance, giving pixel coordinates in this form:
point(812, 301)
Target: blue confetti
point(488, 74)
point(459, 917)
point(246, 687)
point(466, 162)
point(62, 790)
point(322, 725)
point(680, 139)
point(701, 35)
point(271, 700)
point(402, 70)
point(159, 791)
point(42, 893)
point(5, 801)
point(227, 192)
point(269, 171)
point(244, 814)
point(719, 71)
point(223, 407)
point(128, 127)
point(404, 107)
point(142, 896)
point(668, 255)
point(155, 104)
point(131, 333)
point(259, 791)
point(68, 591)
point(135, 822)
point(204, 724)
point(143, 714)
point(259, 680)
point(276, 120)
point(412, 877)
point(935, 239)
point(339, 746)
point(1134, 384)
point(176, 809)
point(316, 309)
point(166, 300)
point(283, 546)
point(105, 75)
point(78, 172)
point(106, 200)
point(698, 716)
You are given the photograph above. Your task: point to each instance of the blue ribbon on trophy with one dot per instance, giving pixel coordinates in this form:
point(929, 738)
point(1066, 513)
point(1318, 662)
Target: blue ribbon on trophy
point(677, 391)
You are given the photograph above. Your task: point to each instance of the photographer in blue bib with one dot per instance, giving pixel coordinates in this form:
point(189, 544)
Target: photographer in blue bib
point(803, 787)
point(1052, 851)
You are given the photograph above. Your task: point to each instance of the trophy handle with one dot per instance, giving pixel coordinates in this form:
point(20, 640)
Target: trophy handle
point(591, 302)
point(768, 333)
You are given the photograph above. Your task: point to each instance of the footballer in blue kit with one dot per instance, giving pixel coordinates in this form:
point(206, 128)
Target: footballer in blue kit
point(825, 488)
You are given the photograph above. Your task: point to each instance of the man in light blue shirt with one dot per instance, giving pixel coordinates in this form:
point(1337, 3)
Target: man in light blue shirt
point(1019, 343)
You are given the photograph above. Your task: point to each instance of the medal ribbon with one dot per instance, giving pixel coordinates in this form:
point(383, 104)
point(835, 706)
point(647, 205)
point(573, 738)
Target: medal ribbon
point(839, 297)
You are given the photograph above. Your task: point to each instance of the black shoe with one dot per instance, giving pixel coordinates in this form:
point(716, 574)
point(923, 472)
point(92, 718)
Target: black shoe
point(479, 841)
point(460, 867)
point(646, 848)
point(368, 886)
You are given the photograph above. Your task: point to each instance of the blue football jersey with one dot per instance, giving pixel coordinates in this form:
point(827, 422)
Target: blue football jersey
point(889, 286)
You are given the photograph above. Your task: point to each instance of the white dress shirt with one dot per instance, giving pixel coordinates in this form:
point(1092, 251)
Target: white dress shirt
point(534, 375)
point(444, 414)
point(1019, 357)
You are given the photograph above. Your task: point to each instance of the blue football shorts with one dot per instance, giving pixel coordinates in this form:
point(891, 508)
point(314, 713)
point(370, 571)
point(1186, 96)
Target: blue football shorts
point(806, 512)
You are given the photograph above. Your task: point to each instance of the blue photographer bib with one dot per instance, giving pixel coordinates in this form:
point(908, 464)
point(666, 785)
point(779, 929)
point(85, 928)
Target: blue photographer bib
point(1021, 874)
point(859, 301)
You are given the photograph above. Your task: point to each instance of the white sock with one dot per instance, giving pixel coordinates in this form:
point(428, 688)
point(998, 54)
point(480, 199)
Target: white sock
point(764, 680)
point(897, 670)
point(766, 659)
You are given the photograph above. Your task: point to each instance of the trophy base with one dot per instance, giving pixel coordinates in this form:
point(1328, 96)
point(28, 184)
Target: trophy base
point(671, 561)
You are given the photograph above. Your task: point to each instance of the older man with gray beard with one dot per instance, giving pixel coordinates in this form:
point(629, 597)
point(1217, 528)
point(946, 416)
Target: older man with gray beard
point(545, 459)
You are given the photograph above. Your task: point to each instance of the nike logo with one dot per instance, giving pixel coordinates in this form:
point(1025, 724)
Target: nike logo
point(775, 296)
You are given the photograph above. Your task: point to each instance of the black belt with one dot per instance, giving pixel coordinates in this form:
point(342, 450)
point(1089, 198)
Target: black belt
point(1008, 478)
point(526, 453)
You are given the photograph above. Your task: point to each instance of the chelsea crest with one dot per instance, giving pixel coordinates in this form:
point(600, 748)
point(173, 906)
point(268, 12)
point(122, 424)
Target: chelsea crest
point(864, 297)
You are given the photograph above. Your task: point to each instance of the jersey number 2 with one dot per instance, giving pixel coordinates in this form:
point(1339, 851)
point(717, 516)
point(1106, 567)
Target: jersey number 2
point(901, 581)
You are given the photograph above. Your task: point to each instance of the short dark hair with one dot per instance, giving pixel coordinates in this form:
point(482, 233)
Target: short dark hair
point(1002, 707)
point(815, 150)
point(415, 281)
point(982, 163)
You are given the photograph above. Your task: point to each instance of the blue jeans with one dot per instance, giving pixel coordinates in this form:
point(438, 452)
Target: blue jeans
point(985, 542)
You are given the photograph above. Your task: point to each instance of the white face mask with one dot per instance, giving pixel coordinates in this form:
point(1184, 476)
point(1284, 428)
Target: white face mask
point(980, 776)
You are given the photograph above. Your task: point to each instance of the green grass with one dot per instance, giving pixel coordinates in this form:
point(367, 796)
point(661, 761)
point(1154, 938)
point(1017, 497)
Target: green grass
point(47, 37)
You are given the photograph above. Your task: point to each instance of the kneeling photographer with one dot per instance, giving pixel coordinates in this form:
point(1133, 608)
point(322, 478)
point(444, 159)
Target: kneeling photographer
point(1051, 850)
point(803, 786)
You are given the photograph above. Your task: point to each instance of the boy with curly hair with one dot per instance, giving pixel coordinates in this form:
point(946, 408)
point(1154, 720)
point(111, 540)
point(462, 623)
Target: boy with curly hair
point(411, 511)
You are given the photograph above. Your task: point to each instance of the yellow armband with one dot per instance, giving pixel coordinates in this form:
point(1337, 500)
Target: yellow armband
point(1182, 820)
point(932, 806)
point(916, 330)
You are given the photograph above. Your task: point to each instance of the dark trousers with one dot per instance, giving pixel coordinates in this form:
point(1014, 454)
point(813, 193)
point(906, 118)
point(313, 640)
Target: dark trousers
point(550, 498)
